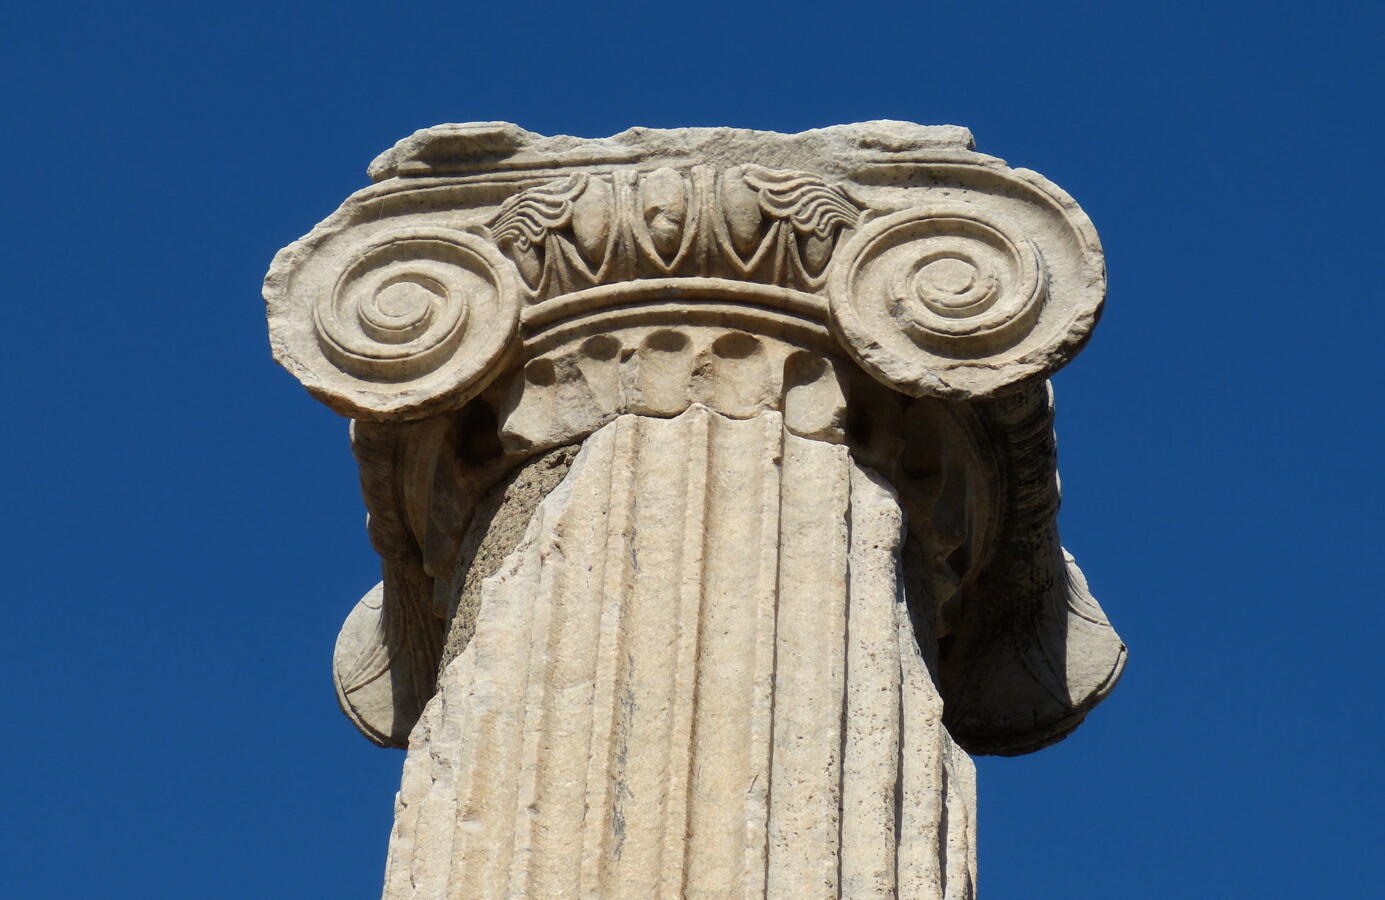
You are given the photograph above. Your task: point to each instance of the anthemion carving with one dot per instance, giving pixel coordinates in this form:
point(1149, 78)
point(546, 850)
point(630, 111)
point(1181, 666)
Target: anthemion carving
point(713, 477)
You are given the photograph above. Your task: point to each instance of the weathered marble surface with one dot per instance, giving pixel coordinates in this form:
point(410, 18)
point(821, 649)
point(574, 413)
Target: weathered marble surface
point(695, 675)
point(713, 477)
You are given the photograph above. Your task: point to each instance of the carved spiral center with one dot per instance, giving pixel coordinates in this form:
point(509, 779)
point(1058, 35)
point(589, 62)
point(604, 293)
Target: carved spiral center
point(403, 309)
point(953, 280)
point(947, 276)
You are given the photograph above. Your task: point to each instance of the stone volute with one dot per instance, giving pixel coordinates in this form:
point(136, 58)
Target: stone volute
point(713, 476)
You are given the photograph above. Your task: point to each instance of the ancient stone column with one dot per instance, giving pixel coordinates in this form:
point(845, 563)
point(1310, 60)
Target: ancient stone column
point(713, 476)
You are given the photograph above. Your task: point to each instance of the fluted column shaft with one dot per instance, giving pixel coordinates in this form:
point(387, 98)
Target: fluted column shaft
point(695, 676)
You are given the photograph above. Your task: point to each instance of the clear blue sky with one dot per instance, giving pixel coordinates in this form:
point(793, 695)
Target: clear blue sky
point(183, 533)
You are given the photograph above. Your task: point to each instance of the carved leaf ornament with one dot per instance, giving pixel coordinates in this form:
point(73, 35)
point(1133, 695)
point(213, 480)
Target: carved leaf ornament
point(747, 222)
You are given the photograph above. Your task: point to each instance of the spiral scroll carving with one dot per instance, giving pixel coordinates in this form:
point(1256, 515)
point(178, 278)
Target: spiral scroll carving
point(407, 318)
point(963, 285)
point(947, 300)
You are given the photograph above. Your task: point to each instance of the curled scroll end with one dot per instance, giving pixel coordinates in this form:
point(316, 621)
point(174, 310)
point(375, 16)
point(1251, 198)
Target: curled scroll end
point(1013, 687)
point(394, 322)
point(958, 301)
point(1094, 654)
point(369, 689)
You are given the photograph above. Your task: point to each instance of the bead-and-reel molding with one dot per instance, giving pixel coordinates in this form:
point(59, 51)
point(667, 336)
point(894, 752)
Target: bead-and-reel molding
point(406, 319)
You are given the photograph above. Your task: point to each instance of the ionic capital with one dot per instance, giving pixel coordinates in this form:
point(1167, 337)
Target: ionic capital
point(938, 270)
point(498, 297)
